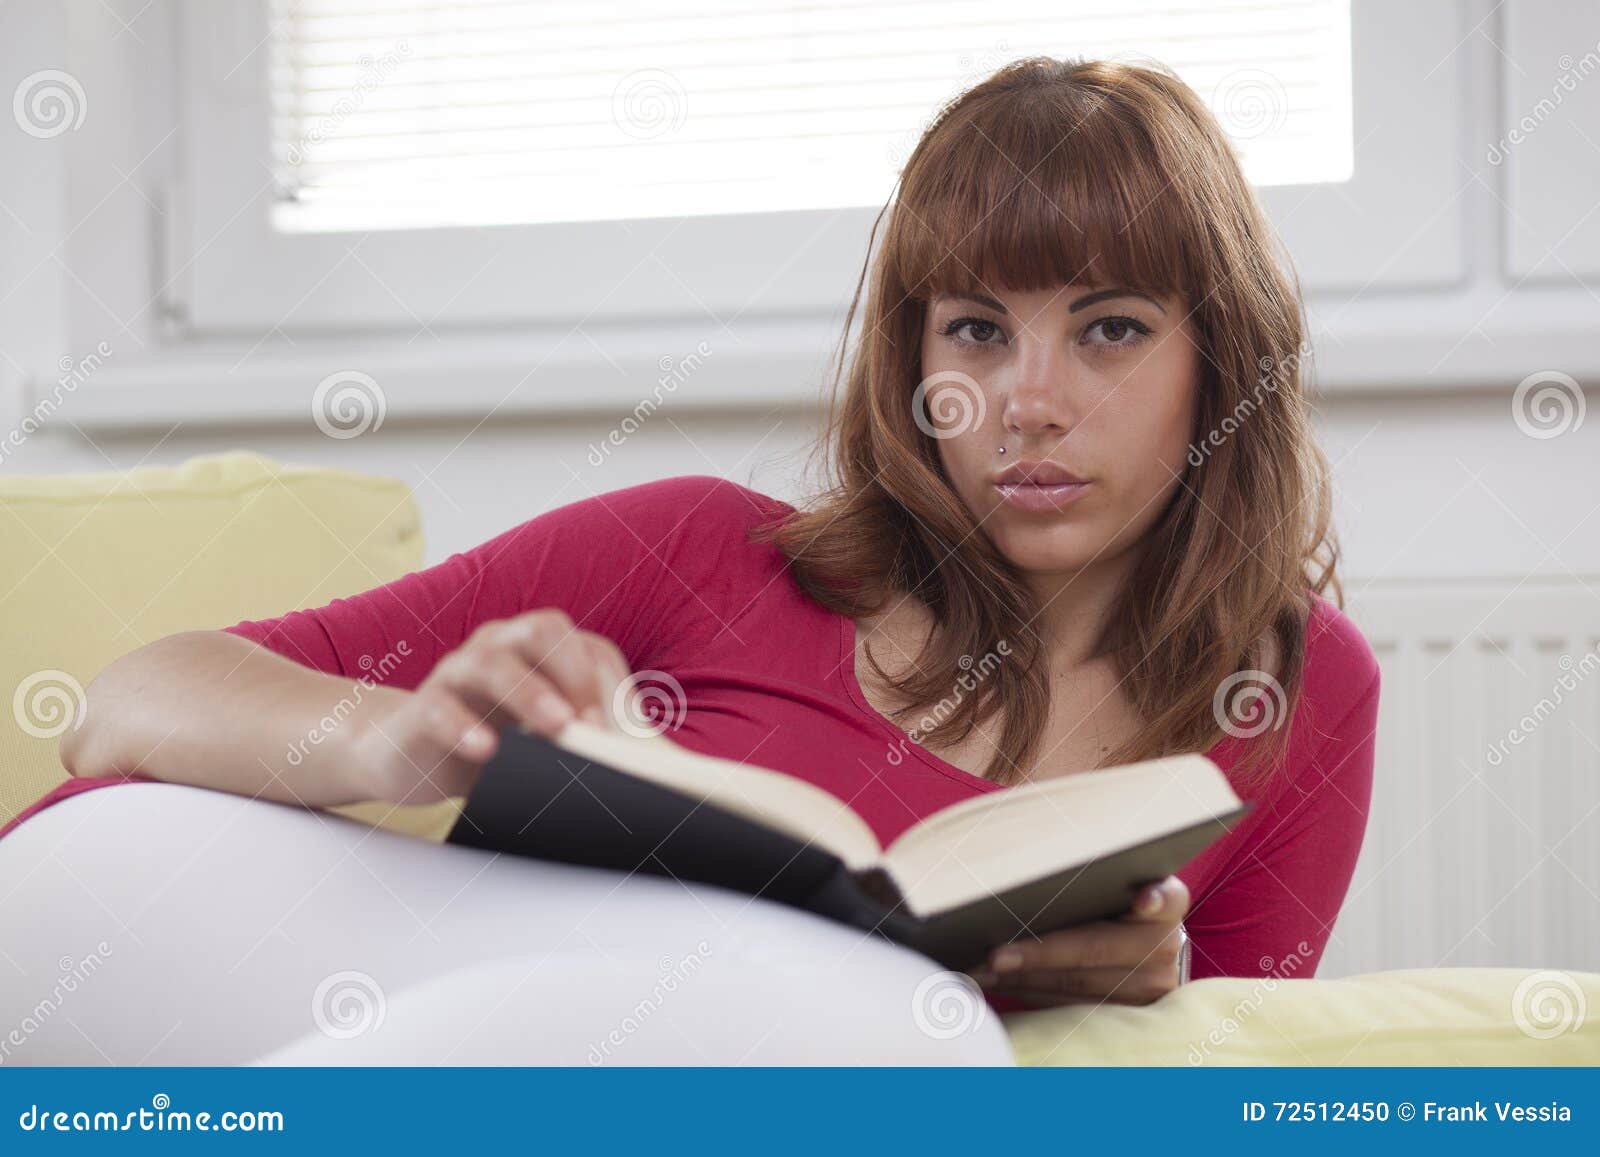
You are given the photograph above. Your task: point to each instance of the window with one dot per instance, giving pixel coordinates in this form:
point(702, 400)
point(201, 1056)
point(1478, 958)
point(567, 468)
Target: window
point(283, 226)
point(401, 113)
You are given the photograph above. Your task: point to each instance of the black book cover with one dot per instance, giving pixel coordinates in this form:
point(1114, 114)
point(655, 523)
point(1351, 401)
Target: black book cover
point(539, 800)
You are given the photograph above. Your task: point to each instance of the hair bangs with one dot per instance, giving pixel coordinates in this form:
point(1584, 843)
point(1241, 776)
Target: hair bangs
point(1027, 202)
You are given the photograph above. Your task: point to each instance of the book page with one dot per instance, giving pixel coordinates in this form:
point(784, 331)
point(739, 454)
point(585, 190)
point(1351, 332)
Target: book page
point(771, 798)
point(1006, 838)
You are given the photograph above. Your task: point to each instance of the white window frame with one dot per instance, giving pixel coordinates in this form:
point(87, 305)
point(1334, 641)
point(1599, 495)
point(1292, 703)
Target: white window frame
point(1345, 236)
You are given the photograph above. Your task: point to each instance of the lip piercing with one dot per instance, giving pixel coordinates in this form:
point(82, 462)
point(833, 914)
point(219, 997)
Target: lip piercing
point(1002, 450)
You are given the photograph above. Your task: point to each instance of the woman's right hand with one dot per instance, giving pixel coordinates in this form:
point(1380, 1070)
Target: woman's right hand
point(537, 671)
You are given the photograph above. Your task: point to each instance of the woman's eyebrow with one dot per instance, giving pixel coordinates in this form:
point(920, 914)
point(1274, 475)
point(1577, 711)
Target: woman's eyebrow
point(982, 299)
point(1099, 295)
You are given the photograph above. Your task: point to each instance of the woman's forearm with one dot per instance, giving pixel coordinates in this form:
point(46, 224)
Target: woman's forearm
point(214, 710)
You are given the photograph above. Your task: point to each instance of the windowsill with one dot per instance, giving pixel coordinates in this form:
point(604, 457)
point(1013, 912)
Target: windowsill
point(1380, 346)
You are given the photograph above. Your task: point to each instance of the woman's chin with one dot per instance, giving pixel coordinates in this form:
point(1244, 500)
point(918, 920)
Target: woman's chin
point(1055, 551)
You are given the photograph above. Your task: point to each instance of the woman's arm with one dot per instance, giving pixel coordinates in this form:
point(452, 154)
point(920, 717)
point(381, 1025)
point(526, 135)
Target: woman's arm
point(212, 710)
point(1272, 911)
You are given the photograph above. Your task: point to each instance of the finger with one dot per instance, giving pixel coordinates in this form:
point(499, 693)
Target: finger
point(433, 750)
point(611, 671)
point(1117, 985)
point(500, 687)
point(1103, 944)
point(1163, 903)
point(558, 651)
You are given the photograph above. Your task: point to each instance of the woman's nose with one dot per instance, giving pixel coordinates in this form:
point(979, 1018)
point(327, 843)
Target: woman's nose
point(1039, 397)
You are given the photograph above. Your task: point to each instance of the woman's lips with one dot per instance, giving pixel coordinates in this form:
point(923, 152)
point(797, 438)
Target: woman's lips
point(1038, 486)
point(1033, 497)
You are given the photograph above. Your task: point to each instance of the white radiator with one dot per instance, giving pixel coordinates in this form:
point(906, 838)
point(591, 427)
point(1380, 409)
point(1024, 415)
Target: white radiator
point(1483, 846)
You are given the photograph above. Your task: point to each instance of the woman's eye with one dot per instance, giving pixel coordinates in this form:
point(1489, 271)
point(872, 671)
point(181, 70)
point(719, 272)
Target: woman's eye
point(1118, 331)
point(972, 330)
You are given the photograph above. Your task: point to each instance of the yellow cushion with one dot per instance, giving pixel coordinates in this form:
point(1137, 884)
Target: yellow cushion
point(1438, 1016)
point(96, 565)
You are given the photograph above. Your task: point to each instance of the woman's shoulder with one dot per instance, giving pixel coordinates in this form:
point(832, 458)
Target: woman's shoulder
point(1341, 672)
point(695, 527)
point(692, 504)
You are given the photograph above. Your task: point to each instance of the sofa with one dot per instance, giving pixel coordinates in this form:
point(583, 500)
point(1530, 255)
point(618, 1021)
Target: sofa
point(161, 924)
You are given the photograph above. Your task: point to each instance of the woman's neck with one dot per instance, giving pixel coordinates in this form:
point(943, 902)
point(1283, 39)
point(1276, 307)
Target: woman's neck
point(1072, 609)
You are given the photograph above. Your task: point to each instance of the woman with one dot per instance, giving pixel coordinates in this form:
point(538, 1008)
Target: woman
point(1077, 520)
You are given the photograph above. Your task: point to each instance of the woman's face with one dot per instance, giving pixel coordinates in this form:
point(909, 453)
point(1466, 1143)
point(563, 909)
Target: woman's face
point(1090, 392)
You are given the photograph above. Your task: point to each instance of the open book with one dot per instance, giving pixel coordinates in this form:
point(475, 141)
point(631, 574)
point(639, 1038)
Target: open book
point(1004, 865)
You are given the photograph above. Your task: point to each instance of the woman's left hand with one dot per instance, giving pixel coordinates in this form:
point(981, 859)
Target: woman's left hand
point(1130, 960)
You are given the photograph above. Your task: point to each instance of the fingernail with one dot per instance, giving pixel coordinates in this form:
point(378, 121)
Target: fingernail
point(1005, 958)
point(556, 711)
point(1151, 901)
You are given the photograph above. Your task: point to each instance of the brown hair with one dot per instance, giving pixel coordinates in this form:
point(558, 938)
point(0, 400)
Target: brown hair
point(1065, 172)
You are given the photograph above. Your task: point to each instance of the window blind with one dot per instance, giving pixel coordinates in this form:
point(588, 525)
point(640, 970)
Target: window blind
point(405, 113)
